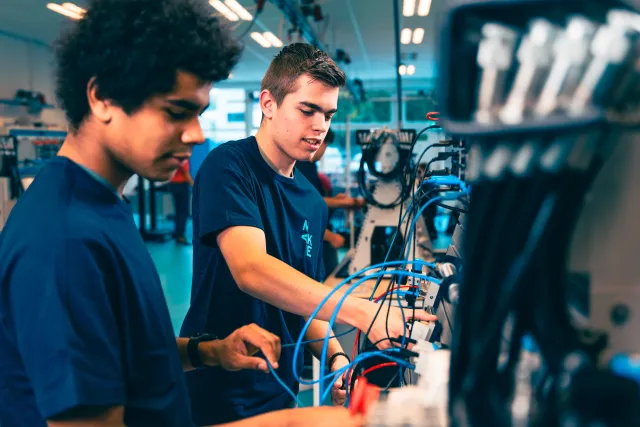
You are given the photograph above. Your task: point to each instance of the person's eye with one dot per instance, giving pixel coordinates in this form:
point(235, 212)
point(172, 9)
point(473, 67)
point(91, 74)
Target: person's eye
point(175, 115)
point(328, 117)
point(307, 113)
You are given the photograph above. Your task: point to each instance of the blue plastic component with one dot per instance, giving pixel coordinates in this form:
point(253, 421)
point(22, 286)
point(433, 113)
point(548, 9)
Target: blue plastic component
point(626, 365)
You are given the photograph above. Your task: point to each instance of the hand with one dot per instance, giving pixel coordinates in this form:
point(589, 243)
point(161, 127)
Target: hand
point(321, 416)
point(395, 325)
point(340, 196)
point(237, 351)
point(358, 202)
point(336, 240)
point(339, 396)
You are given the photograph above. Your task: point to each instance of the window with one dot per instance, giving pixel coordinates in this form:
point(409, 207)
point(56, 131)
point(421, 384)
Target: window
point(375, 109)
point(224, 120)
point(418, 104)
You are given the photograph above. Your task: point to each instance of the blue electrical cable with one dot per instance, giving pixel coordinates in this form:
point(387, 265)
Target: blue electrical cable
point(325, 346)
point(379, 353)
point(331, 293)
point(284, 386)
point(319, 339)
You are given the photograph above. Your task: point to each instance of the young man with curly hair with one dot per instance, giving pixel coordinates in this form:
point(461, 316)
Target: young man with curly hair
point(258, 243)
point(85, 335)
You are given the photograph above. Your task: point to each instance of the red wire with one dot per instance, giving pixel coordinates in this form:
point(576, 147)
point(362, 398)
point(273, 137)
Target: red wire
point(355, 343)
point(376, 367)
point(434, 116)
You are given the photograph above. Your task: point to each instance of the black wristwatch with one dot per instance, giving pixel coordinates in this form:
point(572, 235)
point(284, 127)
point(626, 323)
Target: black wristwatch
point(192, 348)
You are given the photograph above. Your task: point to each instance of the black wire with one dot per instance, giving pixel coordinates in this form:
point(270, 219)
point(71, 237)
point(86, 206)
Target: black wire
point(253, 21)
point(452, 208)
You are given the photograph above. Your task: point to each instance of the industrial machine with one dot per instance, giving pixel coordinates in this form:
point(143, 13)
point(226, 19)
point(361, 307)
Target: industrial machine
point(545, 94)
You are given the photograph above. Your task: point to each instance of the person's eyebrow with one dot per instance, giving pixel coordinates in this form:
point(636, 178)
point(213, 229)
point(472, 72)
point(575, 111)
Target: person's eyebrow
point(188, 105)
point(315, 107)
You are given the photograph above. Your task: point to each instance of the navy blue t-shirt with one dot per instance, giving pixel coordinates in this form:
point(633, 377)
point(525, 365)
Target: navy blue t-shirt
point(236, 187)
point(83, 319)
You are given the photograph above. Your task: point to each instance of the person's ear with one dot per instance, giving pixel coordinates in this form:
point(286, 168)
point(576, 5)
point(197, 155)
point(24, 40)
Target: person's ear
point(268, 104)
point(101, 108)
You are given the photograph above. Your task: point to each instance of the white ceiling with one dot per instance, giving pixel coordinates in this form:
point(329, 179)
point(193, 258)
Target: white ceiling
point(362, 28)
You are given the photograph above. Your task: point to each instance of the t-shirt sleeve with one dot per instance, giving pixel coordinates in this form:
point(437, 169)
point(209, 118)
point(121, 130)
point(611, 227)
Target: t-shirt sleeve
point(225, 197)
point(65, 327)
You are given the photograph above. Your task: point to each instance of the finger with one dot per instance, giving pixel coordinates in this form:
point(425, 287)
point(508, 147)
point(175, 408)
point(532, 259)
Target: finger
point(251, 363)
point(274, 339)
point(267, 343)
point(420, 315)
point(338, 383)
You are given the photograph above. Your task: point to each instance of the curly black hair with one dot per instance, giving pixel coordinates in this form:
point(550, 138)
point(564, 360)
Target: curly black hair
point(134, 49)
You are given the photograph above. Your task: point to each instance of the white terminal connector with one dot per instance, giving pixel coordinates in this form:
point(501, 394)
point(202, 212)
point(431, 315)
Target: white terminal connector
point(422, 331)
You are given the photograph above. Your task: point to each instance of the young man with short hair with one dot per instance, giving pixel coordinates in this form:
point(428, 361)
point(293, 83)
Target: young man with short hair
point(258, 229)
point(85, 335)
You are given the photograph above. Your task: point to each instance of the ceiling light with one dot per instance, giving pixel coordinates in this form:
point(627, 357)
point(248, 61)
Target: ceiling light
point(418, 35)
point(73, 8)
point(224, 10)
point(260, 39)
point(405, 36)
point(402, 70)
point(409, 7)
point(63, 11)
point(411, 69)
point(424, 7)
point(238, 9)
point(271, 38)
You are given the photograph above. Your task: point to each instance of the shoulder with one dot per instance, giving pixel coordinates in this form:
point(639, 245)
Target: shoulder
point(238, 149)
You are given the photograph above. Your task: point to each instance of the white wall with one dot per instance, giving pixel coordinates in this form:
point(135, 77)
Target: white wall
point(26, 65)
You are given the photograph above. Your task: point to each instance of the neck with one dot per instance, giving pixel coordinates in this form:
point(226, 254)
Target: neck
point(85, 149)
point(282, 162)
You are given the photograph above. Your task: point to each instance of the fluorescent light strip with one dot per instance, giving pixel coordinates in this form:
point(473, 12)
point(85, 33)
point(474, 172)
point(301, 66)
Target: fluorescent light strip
point(405, 36)
point(418, 35)
point(73, 8)
point(224, 10)
point(63, 11)
point(411, 69)
point(271, 38)
point(402, 70)
point(424, 7)
point(260, 39)
point(238, 9)
point(409, 7)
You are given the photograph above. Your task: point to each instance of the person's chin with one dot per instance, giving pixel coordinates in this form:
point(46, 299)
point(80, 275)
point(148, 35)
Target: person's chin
point(159, 175)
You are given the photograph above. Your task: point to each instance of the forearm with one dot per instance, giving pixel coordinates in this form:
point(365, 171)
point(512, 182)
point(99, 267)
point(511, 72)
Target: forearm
point(210, 356)
point(270, 280)
point(282, 418)
point(318, 330)
point(337, 202)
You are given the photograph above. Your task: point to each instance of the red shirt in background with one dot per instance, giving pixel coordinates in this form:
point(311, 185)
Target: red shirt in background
point(180, 177)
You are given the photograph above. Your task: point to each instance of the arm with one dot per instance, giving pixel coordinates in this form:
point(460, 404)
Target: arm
point(317, 331)
point(344, 202)
point(303, 417)
point(68, 338)
point(90, 417)
point(237, 351)
point(336, 240)
point(271, 280)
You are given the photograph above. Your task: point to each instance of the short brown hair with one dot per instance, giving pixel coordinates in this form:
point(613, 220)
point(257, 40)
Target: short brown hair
point(295, 60)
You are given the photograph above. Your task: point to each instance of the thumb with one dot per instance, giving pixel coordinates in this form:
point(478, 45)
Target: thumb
point(338, 383)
